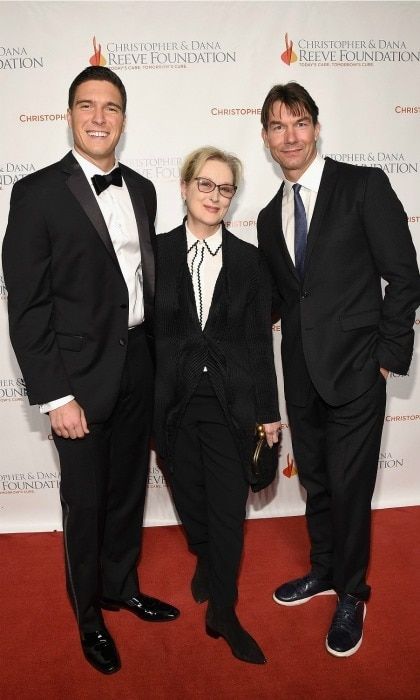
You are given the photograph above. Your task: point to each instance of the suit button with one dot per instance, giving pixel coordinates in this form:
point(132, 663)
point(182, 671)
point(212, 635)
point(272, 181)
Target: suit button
point(123, 306)
point(122, 342)
point(304, 295)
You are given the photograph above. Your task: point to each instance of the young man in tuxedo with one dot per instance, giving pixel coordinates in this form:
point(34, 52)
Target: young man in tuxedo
point(78, 259)
point(330, 234)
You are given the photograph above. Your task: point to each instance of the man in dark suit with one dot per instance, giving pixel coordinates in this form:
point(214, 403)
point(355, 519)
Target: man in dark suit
point(329, 235)
point(78, 259)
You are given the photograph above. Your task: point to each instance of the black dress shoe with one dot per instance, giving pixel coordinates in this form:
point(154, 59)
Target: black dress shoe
point(346, 632)
point(99, 649)
point(300, 590)
point(200, 581)
point(222, 622)
point(145, 607)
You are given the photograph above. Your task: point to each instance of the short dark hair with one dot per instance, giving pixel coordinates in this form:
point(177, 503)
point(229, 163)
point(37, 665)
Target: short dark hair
point(295, 97)
point(98, 73)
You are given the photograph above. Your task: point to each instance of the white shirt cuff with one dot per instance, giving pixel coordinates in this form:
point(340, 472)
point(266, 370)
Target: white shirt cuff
point(46, 407)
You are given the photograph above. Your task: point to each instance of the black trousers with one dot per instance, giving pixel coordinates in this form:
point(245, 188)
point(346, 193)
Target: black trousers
point(210, 491)
point(336, 450)
point(103, 485)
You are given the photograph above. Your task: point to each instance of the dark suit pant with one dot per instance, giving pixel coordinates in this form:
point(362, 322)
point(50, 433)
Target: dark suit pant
point(103, 484)
point(210, 491)
point(336, 450)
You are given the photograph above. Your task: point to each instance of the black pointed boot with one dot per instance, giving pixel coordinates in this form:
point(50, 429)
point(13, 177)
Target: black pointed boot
point(222, 622)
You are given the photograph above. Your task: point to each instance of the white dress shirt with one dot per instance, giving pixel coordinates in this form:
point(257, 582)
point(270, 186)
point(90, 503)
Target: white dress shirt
point(205, 261)
point(309, 181)
point(117, 210)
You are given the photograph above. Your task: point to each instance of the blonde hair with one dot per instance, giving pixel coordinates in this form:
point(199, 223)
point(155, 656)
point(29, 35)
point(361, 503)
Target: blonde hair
point(194, 162)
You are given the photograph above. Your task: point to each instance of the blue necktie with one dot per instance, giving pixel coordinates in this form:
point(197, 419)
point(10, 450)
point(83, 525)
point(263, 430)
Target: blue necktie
point(301, 230)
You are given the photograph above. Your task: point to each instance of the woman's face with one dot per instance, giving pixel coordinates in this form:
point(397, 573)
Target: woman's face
point(205, 210)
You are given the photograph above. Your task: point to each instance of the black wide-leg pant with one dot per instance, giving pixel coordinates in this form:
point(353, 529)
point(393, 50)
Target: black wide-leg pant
point(103, 486)
point(210, 491)
point(336, 450)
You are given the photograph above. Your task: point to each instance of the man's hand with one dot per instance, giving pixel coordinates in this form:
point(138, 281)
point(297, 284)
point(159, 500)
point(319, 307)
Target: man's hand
point(272, 431)
point(384, 372)
point(69, 421)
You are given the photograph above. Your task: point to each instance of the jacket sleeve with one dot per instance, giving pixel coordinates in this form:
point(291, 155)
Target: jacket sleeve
point(260, 344)
point(392, 248)
point(27, 267)
point(262, 234)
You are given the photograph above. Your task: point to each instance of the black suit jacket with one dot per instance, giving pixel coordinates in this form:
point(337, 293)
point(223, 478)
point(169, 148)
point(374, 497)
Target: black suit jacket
point(68, 301)
point(337, 326)
point(235, 344)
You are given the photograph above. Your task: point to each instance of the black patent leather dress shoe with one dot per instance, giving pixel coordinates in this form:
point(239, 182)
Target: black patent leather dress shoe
point(222, 622)
point(99, 649)
point(200, 582)
point(145, 607)
point(300, 590)
point(346, 632)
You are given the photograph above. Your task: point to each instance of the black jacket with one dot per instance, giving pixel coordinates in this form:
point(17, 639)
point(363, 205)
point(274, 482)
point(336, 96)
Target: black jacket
point(68, 301)
point(235, 345)
point(337, 327)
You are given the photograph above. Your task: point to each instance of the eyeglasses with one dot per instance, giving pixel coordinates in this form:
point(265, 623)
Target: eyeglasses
point(206, 185)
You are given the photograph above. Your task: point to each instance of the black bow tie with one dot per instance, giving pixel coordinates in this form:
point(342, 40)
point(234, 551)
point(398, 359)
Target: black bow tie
point(101, 182)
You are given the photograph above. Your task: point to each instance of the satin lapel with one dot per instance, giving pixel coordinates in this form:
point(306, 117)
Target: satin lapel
point(326, 188)
point(277, 230)
point(184, 287)
point(80, 188)
point(146, 248)
point(219, 302)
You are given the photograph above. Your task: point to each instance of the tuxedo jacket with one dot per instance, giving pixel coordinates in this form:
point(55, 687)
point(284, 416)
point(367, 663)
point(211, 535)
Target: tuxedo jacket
point(68, 300)
point(337, 326)
point(235, 344)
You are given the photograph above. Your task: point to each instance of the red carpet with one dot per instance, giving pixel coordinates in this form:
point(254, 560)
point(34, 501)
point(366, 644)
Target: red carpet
point(41, 657)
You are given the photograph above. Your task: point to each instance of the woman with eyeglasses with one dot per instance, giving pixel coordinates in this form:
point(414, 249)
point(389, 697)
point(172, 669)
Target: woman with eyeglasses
point(215, 381)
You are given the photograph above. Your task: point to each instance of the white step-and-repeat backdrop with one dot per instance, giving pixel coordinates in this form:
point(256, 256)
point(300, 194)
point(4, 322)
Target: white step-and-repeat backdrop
point(196, 73)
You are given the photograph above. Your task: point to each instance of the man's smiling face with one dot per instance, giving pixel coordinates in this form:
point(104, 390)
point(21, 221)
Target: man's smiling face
point(96, 119)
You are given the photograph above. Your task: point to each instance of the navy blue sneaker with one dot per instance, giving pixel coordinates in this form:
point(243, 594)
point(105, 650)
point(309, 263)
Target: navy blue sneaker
point(346, 632)
point(300, 590)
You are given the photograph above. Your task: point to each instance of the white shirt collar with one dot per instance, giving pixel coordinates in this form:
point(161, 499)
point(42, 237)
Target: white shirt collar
point(311, 178)
point(90, 169)
point(212, 241)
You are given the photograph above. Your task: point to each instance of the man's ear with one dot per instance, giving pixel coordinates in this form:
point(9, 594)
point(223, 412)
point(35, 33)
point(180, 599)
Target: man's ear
point(264, 137)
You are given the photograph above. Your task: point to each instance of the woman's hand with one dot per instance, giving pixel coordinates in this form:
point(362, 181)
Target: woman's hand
point(272, 431)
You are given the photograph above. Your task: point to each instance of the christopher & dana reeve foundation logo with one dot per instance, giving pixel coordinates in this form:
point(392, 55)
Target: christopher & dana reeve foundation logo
point(19, 57)
point(153, 55)
point(165, 168)
point(44, 117)
point(24, 483)
point(407, 110)
point(392, 163)
point(290, 468)
point(389, 461)
point(242, 111)
point(3, 288)
point(242, 225)
point(12, 172)
point(156, 480)
point(12, 389)
point(346, 53)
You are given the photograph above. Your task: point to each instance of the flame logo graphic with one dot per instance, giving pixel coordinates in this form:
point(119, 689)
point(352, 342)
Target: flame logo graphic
point(97, 59)
point(289, 55)
point(290, 470)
